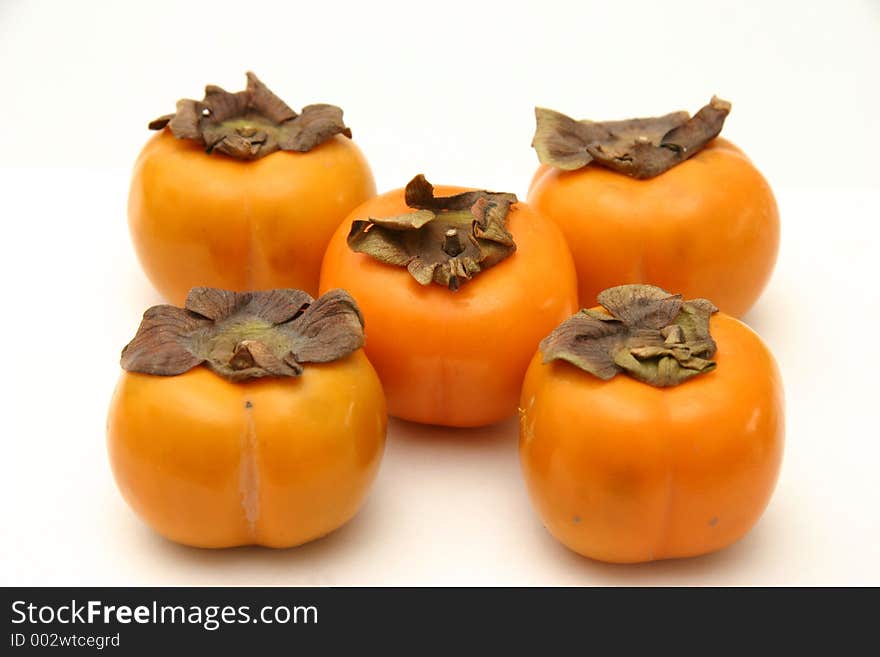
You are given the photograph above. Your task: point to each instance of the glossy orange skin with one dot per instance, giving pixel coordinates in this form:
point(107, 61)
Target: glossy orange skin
point(624, 472)
point(274, 461)
point(456, 358)
point(708, 227)
point(213, 220)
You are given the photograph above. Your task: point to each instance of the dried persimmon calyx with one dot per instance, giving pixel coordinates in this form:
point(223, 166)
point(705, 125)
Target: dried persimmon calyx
point(252, 123)
point(640, 148)
point(446, 240)
point(647, 333)
point(246, 335)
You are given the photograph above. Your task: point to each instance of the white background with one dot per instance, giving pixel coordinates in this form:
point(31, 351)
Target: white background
point(446, 89)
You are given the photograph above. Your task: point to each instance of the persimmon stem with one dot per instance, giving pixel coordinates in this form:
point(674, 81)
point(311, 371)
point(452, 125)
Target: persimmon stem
point(452, 245)
point(242, 358)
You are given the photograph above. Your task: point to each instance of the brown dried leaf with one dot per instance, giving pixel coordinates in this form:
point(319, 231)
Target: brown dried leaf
point(652, 335)
point(278, 306)
point(266, 102)
point(641, 148)
point(212, 302)
point(641, 306)
point(222, 104)
point(185, 122)
point(329, 329)
point(587, 341)
point(561, 141)
point(406, 221)
point(252, 123)
point(419, 193)
point(367, 237)
point(244, 335)
point(490, 215)
point(447, 240)
point(161, 122)
point(314, 126)
point(160, 345)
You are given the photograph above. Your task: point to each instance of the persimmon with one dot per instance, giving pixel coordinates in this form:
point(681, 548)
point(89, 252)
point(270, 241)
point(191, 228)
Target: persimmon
point(677, 458)
point(662, 201)
point(247, 418)
point(238, 191)
point(457, 287)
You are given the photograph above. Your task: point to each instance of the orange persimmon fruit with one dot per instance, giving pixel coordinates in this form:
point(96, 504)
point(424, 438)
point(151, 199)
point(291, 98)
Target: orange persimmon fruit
point(457, 287)
point(652, 435)
point(233, 426)
point(661, 201)
point(257, 209)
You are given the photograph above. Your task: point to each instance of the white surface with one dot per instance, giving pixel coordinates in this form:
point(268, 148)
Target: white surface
point(448, 507)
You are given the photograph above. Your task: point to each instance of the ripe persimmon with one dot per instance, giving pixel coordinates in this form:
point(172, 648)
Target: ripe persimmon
point(457, 287)
point(238, 191)
point(662, 201)
point(677, 459)
point(247, 418)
